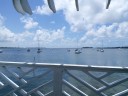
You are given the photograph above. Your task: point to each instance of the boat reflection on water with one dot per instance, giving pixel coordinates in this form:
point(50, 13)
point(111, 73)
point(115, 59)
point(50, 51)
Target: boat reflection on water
point(1, 51)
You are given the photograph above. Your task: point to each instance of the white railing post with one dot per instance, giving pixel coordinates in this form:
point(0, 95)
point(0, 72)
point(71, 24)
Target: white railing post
point(57, 81)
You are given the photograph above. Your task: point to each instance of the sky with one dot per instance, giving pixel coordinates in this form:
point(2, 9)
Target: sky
point(92, 26)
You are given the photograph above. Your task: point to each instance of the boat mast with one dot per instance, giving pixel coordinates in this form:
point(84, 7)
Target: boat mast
point(38, 43)
point(102, 44)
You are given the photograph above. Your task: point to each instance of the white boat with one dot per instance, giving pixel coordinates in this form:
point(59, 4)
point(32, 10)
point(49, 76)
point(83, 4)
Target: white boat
point(101, 50)
point(77, 51)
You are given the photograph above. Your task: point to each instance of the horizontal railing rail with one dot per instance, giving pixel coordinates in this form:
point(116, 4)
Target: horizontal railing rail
point(69, 66)
point(50, 79)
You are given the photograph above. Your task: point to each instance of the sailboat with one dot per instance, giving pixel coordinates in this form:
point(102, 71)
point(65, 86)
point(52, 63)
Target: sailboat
point(38, 50)
point(102, 50)
point(68, 50)
point(28, 50)
point(77, 51)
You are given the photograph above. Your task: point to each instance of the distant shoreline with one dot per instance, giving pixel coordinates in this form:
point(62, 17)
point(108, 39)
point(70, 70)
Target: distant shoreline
point(71, 48)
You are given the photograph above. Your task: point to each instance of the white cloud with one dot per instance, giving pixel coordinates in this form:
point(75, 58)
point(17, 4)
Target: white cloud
point(29, 22)
point(49, 36)
point(94, 19)
point(28, 38)
point(92, 12)
point(115, 32)
point(1, 20)
point(43, 10)
point(6, 35)
point(52, 22)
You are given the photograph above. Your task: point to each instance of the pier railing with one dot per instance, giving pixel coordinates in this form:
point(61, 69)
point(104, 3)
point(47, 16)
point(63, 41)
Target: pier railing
point(48, 79)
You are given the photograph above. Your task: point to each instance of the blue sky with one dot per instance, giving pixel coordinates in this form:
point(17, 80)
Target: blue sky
point(67, 27)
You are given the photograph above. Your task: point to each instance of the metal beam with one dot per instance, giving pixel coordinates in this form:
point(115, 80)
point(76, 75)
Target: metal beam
point(77, 5)
point(22, 6)
point(51, 5)
point(12, 83)
point(26, 7)
point(18, 7)
point(108, 3)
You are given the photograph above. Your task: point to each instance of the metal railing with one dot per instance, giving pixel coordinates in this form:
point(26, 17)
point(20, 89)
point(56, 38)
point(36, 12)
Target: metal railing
point(43, 79)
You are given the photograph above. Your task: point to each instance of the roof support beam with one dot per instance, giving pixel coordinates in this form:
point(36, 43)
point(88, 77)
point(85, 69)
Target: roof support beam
point(18, 7)
point(22, 6)
point(26, 7)
point(52, 5)
point(77, 5)
point(108, 3)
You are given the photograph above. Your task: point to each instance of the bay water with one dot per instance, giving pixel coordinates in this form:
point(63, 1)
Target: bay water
point(89, 56)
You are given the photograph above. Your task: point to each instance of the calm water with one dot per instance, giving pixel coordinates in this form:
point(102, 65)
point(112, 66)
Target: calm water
point(110, 57)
